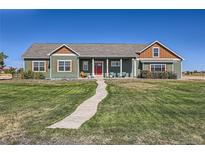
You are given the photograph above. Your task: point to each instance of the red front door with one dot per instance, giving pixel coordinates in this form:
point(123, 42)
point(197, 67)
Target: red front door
point(98, 68)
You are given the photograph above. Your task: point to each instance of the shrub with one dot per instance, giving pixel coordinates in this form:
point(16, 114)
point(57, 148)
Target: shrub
point(32, 75)
point(146, 74)
point(38, 75)
point(172, 75)
point(158, 75)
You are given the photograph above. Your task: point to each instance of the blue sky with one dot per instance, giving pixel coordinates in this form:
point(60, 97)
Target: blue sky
point(181, 30)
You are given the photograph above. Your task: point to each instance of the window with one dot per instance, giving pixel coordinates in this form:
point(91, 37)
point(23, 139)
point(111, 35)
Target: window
point(115, 63)
point(39, 66)
point(64, 65)
point(155, 51)
point(85, 65)
point(158, 67)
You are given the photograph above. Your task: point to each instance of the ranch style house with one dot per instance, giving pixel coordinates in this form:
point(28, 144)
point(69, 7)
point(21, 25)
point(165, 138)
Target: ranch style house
point(67, 61)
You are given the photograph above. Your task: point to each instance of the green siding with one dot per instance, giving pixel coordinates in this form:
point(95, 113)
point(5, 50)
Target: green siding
point(177, 69)
point(64, 75)
point(28, 66)
point(170, 67)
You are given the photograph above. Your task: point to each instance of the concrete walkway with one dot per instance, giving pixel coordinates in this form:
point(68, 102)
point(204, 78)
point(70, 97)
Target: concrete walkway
point(84, 111)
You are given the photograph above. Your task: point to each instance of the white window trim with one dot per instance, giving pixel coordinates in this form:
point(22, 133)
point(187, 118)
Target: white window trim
point(64, 66)
point(165, 66)
point(84, 64)
point(38, 62)
point(115, 63)
point(153, 52)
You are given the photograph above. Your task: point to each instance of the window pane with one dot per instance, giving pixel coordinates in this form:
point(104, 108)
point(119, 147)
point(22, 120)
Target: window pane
point(61, 68)
point(158, 68)
point(156, 52)
point(35, 68)
point(85, 65)
point(35, 64)
point(67, 65)
point(115, 63)
point(67, 68)
point(156, 49)
point(42, 69)
point(41, 64)
point(61, 63)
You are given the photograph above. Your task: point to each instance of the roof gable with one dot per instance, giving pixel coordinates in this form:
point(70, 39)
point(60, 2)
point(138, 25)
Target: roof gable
point(63, 49)
point(167, 49)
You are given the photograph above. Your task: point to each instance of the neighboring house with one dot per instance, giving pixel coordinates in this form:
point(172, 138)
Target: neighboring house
point(59, 61)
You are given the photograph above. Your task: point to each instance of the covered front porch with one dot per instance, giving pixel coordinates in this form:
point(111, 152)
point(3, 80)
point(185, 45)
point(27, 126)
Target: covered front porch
point(107, 67)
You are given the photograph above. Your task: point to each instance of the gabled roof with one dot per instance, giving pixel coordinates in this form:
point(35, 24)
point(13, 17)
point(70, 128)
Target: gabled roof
point(161, 45)
point(42, 50)
point(63, 45)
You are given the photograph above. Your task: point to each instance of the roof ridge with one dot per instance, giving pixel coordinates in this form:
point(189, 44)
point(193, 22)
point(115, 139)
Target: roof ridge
point(95, 43)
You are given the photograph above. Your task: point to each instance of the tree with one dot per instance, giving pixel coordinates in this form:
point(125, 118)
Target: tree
point(2, 58)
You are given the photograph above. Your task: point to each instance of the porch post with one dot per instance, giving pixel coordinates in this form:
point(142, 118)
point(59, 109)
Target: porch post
point(121, 67)
point(93, 61)
point(135, 73)
point(78, 67)
point(132, 67)
point(107, 66)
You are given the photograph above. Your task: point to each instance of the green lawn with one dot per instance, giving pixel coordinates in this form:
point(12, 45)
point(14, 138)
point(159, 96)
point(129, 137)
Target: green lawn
point(134, 112)
point(27, 107)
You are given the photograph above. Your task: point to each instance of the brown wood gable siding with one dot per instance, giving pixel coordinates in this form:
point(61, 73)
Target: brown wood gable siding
point(63, 50)
point(164, 53)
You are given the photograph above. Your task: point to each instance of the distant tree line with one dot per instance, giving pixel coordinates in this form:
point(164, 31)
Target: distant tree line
point(195, 72)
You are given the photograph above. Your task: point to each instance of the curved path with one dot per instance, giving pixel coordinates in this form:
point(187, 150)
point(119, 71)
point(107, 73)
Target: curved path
point(84, 111)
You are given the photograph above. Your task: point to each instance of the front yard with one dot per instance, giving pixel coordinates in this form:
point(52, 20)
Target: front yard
point(135, 112)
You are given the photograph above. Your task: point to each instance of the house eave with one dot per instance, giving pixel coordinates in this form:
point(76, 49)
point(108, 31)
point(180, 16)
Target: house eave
point(35, 57)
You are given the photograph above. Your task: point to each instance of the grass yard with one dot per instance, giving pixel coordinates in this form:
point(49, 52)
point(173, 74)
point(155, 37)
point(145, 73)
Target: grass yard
point(134, 112)
point(27, 107)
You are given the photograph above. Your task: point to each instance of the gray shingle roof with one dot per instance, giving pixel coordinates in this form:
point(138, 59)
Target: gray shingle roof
point(39, 50)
